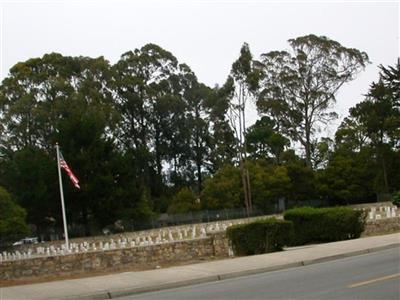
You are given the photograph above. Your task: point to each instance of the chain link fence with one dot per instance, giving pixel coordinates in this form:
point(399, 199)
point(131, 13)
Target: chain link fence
point(164, 220)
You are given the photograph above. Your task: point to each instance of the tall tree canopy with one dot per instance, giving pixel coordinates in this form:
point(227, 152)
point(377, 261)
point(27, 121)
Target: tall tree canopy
point(367, 144)
point(145, 136)
point(264, 141)
point(299, 86)
point(244, 79)
point(379, 115)
point(12, 216)
point(58, 99)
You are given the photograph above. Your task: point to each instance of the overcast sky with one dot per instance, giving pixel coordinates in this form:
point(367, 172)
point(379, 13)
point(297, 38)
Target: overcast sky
point(206, 35)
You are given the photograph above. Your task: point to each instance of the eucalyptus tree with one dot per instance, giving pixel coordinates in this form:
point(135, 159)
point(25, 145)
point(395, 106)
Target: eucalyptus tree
point(57, 99)
point(164, 116)
point(299, 86)
point(143, 95)
point(28, 97)
point(195, 96)
point(38, 95)
point(264, 141)
point(244, 78)
point(222, 137)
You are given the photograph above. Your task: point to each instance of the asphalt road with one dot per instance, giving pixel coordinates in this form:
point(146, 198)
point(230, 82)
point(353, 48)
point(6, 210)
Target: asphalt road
point(369, 276)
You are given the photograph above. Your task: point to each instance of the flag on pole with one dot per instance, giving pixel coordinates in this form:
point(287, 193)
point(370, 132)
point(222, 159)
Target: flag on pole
point(64, 165)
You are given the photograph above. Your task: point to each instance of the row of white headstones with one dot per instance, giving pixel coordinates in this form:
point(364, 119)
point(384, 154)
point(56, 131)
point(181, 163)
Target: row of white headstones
point(154, 237)
point(376, 213)
point(142, 239)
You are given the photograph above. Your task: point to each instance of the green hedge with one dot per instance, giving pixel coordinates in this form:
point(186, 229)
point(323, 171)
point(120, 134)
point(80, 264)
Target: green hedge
point(262, 236)
point(325, 224)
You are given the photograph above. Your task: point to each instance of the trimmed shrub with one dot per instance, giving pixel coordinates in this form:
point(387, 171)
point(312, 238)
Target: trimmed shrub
point(396, 199)
point(325, 224)
point(259, 237)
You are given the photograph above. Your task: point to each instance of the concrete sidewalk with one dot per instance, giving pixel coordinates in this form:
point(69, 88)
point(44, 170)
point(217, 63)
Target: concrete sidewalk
point(121, 284)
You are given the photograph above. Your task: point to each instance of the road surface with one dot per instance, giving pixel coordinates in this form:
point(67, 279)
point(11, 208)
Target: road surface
point(369, 276)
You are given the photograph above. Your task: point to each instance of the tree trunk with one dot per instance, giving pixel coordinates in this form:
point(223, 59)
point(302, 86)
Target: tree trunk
point(308, 156)
point(385, 179)
point(307, 146)
point(158, 155)
point(249, 190)
point(244, 183)
point(199, 177)
point(85, 220)
point(198, 154)
point(246, 170)
point(307, 129)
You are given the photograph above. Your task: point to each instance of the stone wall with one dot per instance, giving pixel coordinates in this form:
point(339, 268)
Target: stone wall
point(381, 226)
point(209, 227)
point(134, 258)
point(143, 255)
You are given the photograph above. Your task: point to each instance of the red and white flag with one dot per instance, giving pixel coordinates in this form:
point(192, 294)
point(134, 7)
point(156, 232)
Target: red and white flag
point(64, 165)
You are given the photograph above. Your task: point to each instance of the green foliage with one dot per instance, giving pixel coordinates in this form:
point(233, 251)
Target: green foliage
point(138, 132)
point(269, 183)
point(245, 78)
point(302, 177)
point(298, 87)
point(396, 198)
point(143, 209)
point(184, 201)
point(372, 133)
point(259, 237)
point(222, 140)
point(264, 141)
point(30, 174)
point(348, 177)
point(12, 216)
point(223, 190)
point(118, 127)
point(325, 224)
point(321, 151)
point(243, 70)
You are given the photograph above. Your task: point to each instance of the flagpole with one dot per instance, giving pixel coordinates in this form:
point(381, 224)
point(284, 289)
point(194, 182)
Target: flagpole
point(62, 199)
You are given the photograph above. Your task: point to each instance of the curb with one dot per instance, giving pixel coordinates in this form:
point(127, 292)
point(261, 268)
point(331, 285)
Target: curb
point(171, 285)
point(349, 254)
point(100, 295)
point(112, 294)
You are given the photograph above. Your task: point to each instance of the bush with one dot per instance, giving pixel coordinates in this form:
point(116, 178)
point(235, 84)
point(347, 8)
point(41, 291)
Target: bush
point(262, 236)
point(396, 199)
point(325, 224)
point(12, 217)
point(183, 202)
